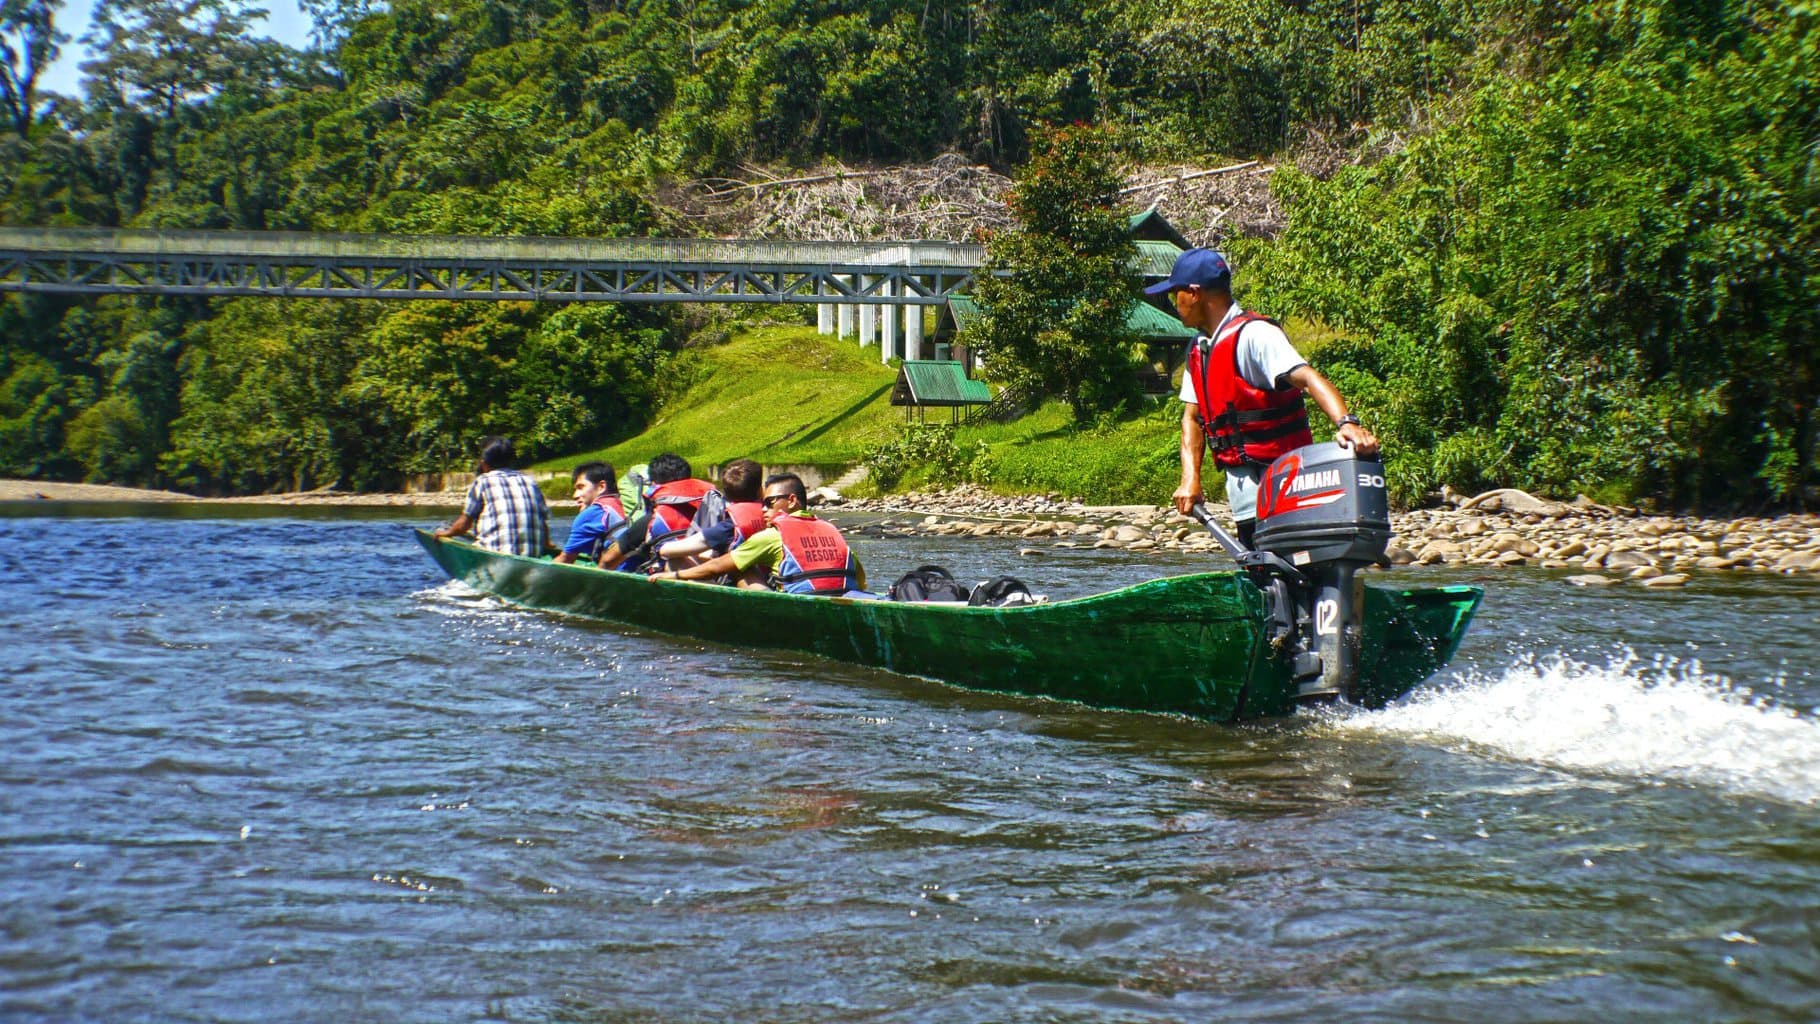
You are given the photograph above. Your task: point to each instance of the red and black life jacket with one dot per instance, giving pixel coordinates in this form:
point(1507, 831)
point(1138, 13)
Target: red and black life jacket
point(816, 559)
point(673, 505)
point(611, 503)
point(1243, 424)
point(748, 518)
point(612, 516)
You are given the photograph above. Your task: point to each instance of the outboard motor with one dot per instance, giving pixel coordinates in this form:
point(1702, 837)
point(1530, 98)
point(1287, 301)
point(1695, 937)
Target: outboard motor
point(1323, 513)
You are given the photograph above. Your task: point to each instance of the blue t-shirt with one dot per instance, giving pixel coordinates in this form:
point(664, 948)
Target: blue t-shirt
point(719, 537)
point(593, 530)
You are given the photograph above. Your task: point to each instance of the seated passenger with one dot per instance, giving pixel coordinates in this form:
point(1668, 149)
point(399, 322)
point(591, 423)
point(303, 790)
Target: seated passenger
point(806, 555)
point(627, 553)
point(675, 497)
point(504, 507)
point(601, 519)
point(740, 484)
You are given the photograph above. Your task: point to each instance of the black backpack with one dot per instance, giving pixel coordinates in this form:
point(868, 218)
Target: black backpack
point(1000, 591)
point(928, 583)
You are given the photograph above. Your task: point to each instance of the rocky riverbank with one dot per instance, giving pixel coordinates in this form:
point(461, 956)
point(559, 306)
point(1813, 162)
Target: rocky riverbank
point(1499, 529)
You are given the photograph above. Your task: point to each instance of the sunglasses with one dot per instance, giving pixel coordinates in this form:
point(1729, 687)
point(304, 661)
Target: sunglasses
point(772, 499)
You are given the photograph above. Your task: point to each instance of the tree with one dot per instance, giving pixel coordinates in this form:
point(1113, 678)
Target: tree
point(334, 19)
point(163, 53)
point(29, 42)
point(1056, 289)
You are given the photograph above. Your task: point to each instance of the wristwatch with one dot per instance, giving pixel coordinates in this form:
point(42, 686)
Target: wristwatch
point(1349, 418)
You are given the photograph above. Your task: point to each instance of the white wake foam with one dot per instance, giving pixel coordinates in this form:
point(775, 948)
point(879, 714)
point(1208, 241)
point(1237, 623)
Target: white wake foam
point(1663, 720)
point(453, 597)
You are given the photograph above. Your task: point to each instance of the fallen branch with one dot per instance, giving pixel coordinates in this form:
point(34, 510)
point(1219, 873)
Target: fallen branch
point(758, 186)
point(1178, 179)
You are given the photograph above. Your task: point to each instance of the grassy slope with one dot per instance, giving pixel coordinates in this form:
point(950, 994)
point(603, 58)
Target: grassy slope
point(1130, 461)
point(775, 394)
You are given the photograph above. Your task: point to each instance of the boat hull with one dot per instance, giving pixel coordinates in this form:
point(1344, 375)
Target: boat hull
point(1191, 645)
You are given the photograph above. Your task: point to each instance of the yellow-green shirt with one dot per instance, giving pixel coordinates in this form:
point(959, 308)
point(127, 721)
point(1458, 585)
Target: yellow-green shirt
point(766, 548)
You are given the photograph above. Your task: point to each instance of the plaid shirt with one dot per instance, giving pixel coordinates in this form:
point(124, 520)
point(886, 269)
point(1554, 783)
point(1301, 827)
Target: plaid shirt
point(509, 513)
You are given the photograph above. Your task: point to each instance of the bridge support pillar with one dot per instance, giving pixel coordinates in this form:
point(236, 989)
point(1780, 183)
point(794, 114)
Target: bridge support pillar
point(868, 317)
point(913, 332)
point(888, 315)
point(824, 312)
point(844, 313)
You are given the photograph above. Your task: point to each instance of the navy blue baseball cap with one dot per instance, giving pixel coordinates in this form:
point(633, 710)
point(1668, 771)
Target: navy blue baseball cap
point(1196, 266)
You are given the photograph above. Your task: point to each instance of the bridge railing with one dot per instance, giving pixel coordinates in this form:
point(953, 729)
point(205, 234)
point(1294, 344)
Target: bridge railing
point(128, 242)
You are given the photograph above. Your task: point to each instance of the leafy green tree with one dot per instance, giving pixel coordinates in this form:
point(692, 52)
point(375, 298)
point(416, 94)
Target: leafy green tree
point(29, 43)
point(1601, 280)
point(162, 53)
point(267, 401)
point(1056, 288)
point(36, 403)
point(590, 372)
point(334, 19)
point(443, 373)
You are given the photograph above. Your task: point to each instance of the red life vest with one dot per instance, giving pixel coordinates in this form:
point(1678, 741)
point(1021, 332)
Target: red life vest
point(673, 505)
point(1243, 424)
point(816, 559)
point(611, 503)
point(748, 518)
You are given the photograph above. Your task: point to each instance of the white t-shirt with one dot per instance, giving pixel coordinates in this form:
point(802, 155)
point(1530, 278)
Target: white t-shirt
point(1264, 356)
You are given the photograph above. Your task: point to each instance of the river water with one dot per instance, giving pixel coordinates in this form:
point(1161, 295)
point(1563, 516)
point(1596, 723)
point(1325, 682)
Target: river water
point(263, 765)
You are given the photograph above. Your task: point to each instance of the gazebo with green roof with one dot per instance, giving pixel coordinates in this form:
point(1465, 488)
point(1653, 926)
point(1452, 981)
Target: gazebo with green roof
point(922, 383)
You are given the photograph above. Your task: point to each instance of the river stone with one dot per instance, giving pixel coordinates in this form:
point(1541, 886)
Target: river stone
point(1108, 542)
point(1064, 544)
point(1511, 558)
point(1141, 544)
point(1471, 528)
point(1716, 562)
point(983, 530)
point(1644, 572)
point(1675, 579)
point(1130, 534)
point(1572, 549)
point(1591, 580)
point(1509, 499)
point(1399, 556)
point(1626, 560)
point(1798, 561)
point(1027, 552)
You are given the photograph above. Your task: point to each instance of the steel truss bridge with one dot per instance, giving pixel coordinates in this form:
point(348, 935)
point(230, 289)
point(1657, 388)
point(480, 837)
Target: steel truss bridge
point(344, 266)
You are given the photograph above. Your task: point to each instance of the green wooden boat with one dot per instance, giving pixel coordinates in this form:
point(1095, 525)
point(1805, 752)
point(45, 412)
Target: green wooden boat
point(1197, 645)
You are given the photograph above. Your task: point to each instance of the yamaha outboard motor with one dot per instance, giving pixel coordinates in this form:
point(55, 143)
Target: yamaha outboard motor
point(1323, 514)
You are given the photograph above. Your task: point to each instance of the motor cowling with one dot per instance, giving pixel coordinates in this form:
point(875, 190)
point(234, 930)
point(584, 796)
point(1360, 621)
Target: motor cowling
point(1324, 513)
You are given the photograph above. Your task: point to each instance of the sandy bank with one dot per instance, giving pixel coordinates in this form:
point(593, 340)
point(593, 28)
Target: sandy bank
point(40, 490)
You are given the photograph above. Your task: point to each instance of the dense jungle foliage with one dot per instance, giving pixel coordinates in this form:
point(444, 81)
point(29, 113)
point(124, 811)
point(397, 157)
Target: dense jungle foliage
point(1575, 248)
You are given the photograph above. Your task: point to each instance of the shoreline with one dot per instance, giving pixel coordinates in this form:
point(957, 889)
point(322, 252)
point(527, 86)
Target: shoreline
point(1498, 529)
point(44, 490)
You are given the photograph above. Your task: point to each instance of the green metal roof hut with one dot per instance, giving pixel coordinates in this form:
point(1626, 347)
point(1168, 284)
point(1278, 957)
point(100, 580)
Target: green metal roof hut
point(922, 383)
